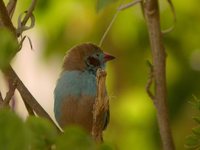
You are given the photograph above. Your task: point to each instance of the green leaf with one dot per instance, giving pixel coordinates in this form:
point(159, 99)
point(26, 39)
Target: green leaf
point(197, 119)
point(75, 139)
point(8, 47)
point(192, 142)
point(195, 102)
point(196, 131)
point(103, 3)
point(13, 133)
point(43, 133)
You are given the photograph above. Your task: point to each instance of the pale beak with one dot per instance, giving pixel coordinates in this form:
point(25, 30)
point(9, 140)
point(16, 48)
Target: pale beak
point(108, 57)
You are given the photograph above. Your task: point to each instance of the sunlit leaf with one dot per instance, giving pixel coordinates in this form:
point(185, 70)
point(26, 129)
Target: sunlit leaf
point(13, 133)
point(103, 3)
point(8, 47)
point(43, 133)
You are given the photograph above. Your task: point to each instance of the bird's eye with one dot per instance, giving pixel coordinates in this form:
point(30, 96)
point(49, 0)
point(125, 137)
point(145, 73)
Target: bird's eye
point(97, 55)
point(93, 61)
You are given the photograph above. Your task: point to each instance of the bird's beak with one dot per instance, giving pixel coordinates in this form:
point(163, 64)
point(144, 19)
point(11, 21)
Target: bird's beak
point(108, 57)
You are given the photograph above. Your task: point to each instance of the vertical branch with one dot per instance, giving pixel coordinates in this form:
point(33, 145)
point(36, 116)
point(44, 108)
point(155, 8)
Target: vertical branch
point(151, 11)
point(100, 107)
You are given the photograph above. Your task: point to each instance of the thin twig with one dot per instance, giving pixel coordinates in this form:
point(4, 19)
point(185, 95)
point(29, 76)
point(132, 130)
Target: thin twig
point(29, 12)
point(174, 18)
point(1, 100)
point(10, 93)
point(149, 82)
point(21, 28)
point(100, 107)
point(120, 8)
point(11, 7)
point(125, 6)
point(109, 26)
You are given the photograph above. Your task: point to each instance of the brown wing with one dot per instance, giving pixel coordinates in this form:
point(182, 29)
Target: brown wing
point(77, 111)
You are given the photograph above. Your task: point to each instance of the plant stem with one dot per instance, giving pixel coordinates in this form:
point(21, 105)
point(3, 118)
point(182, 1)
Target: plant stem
point(27, 97)
point(100, 107)
point(5, 19)
point(151, 10)
point(30, 102)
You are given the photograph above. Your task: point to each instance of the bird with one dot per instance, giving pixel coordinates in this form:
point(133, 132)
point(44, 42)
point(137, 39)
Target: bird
point(76, 87)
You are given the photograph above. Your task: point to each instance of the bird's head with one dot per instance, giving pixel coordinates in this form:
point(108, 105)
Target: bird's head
point(86, 56)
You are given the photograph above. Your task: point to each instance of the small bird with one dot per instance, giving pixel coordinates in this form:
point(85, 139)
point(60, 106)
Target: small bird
point(75, 92)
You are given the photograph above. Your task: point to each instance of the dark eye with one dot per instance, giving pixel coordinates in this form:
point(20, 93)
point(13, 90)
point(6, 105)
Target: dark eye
point(97, 55)
point(93, 61)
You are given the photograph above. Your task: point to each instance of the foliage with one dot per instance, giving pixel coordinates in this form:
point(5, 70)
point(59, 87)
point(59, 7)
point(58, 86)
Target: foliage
point(14, 133)
point(39, 134)
point(61, 24)
point(43, 134)
point(8, 46)
point(193, 140)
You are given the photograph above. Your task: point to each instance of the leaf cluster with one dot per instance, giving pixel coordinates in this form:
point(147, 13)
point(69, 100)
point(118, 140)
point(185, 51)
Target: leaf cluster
point(39, 134)
point(193, 140)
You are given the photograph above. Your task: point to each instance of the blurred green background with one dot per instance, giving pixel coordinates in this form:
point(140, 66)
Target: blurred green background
point(61, 24)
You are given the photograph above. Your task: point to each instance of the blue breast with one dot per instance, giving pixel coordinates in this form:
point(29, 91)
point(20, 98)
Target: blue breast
point(73, 83)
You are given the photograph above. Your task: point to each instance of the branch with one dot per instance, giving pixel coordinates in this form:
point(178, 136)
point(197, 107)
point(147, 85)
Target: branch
point(28, 108)
point(21, 28)
point(25, 94)
point(5, 19)
point(10, 93)
point(100, 107)
point(151, 10)
point(149, 82)
point(30, 102)
point(120, 8)
point(131, 4)
point(28, 14)
point(11, 7)
point(1, 100)
point(174, 18)
point(108, 28)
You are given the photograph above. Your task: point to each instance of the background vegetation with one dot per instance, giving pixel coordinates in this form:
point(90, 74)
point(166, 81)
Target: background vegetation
point(62, 24)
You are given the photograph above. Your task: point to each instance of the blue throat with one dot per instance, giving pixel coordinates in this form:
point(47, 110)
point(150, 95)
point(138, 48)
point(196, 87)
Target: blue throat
point(76, 84)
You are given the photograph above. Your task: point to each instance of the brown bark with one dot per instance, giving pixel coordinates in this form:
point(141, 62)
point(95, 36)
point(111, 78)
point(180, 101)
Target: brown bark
point(100, 107)
point(30, 102)
point(151, 10)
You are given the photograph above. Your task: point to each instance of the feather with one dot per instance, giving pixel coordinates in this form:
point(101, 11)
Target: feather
point(74, 60)
point(75, 91)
